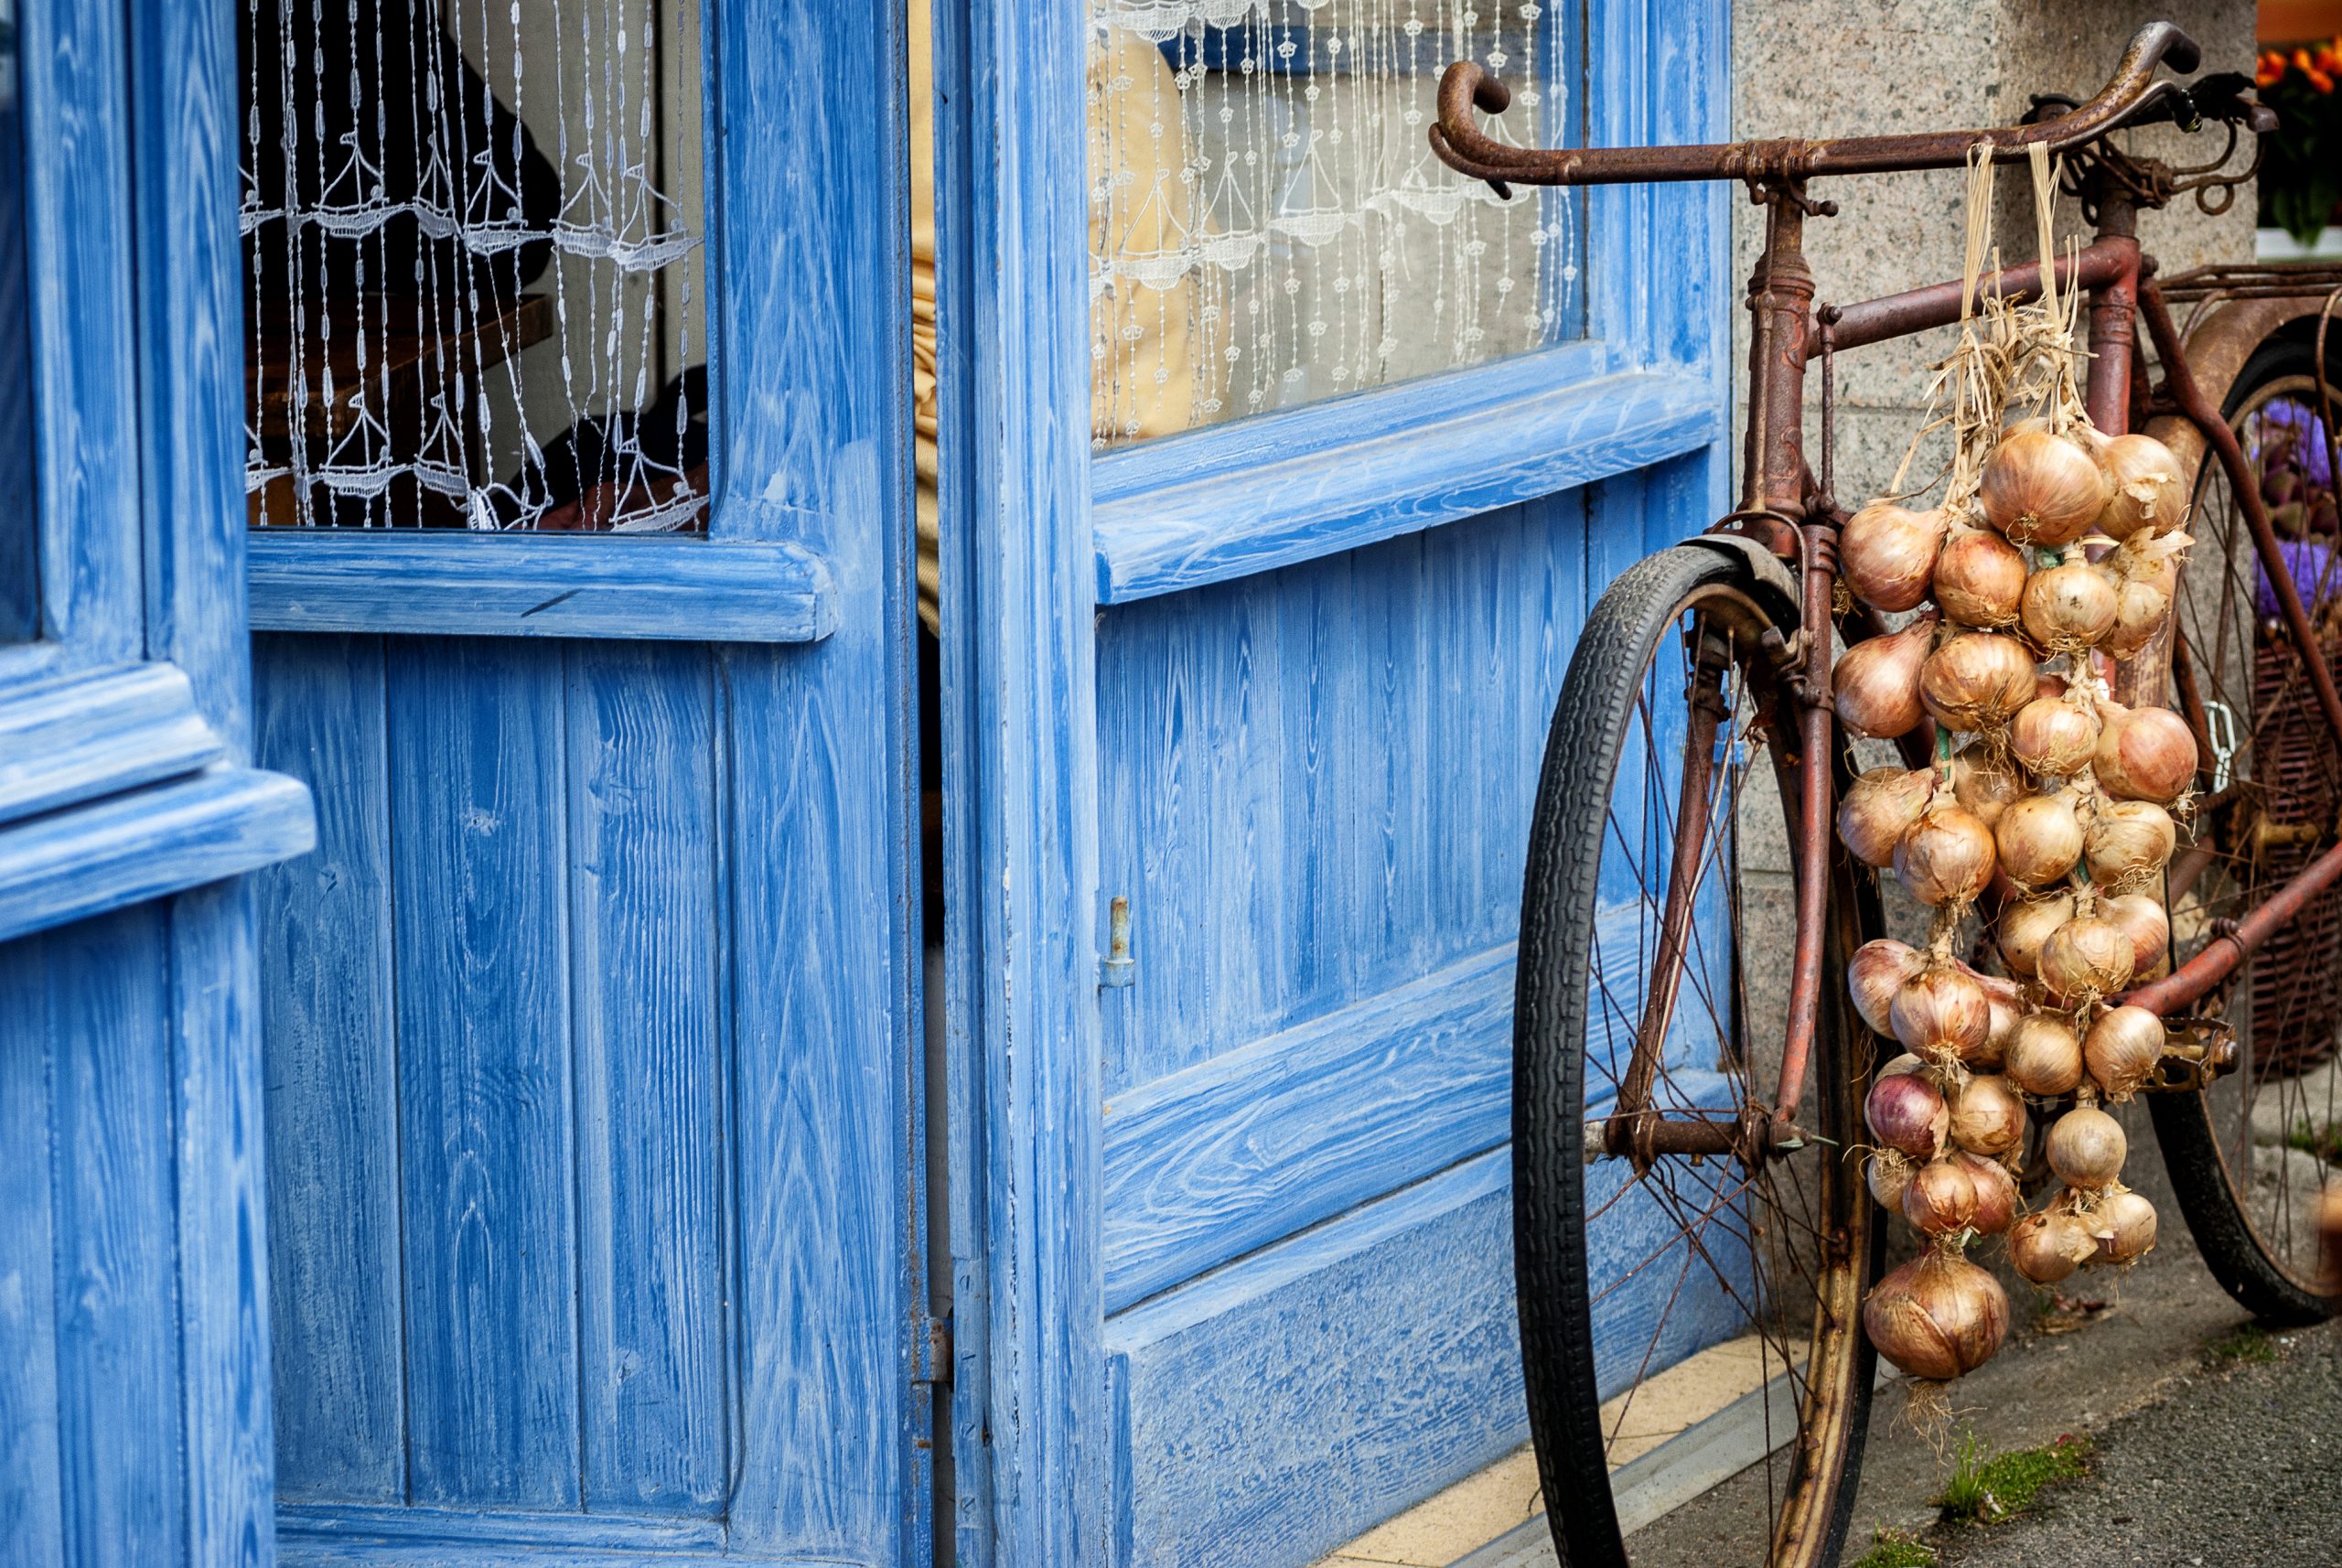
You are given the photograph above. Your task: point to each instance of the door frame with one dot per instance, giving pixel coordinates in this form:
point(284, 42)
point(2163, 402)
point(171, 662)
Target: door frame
point(135, 1407)
point(125, 722)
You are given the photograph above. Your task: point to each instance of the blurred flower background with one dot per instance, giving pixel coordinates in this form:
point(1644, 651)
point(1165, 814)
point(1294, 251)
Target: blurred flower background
point(2298, 72)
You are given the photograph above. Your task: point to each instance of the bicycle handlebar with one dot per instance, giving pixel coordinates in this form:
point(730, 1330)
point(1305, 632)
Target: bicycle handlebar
point(1459, 144)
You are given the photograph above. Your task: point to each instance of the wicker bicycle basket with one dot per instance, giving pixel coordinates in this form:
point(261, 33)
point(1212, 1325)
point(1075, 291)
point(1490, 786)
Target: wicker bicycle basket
point(2297, 977)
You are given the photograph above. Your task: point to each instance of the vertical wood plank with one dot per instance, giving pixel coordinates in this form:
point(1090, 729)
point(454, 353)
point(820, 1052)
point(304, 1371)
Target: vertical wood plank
point(31, 1487)
point(475, 767)
point(649, 1034)
point(327, 942)
point(74, 77)
point(822, 1113)
point(1021, 657)
point(118, 1349)
point(188, 268)
point(222, 1231)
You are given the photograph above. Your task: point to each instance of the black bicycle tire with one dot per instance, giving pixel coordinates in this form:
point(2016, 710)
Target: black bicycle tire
point(2200, 1179)
point(1581, 759)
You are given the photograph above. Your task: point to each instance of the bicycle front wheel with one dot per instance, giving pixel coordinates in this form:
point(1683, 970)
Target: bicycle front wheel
point(1690, 1324)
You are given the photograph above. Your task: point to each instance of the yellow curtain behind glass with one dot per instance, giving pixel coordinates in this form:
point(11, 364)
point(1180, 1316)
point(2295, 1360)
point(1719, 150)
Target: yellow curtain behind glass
point(1159, 319)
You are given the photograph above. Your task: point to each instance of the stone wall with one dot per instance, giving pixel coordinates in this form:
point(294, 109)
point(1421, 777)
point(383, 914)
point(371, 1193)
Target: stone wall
point(1825, 68)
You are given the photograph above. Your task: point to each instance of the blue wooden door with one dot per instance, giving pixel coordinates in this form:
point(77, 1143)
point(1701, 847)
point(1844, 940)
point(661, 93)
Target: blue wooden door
point(134, 1334)
point(593, 1111)
point(1250, 696)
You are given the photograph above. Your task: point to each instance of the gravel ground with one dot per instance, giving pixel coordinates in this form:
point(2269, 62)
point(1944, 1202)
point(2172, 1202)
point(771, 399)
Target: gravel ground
point(2239, 1466)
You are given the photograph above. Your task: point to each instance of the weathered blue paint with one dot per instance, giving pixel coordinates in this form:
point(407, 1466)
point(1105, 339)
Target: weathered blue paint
point(1559, 431)
point(595, 1093)
point(502, 585)
point(1209, 1162)
point(135, 1422)
point(1367, 1418)
point(1236, 1234)
point(63, 742)
point(19, 522)
point(1020, 766)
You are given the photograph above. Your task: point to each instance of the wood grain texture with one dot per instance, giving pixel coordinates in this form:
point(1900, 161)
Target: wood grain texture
point(546, 586)
point(301, 1552)
point(32, 1480)
point(329, 1023)
point(740, 1212)
point(20, 531)
point(476, 798)
point(1020, 698)
point(184, 83)
point(1317, 783)
point(119, 1370)
point(74, 75)
point(1209, 1163)
point(312, 1529)
point(221, 1219)
point(68, 740)
point(1278, 1406)
point(1444, 466)
point(645, 959)
point(822, 1109)
point(127, 849)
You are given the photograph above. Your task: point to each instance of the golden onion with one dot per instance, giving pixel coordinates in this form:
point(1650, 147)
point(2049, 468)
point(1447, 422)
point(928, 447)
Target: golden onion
point(1875, 687)
point(2038, 840)
point(1887, 555)
point(1947, 855)
point(2041, 489)
point(2044, 1058)
point(1879, 808)
point(1978, 680)
point(1937, 1317)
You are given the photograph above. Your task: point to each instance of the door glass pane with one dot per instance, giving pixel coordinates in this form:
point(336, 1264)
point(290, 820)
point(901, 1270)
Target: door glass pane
point(474, 277)
point(1268, 226)
point(19, 523)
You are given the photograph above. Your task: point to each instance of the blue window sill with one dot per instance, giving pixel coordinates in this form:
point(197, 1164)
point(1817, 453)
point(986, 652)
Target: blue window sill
point(1260, 494)
point(512, 584)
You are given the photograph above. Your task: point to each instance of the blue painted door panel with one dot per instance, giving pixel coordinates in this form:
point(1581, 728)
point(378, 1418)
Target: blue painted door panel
point(589, 1168)
point(1315, 788)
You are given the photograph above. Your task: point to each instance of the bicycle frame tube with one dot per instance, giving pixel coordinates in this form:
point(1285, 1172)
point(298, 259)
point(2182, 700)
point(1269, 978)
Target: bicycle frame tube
point(2221, 957)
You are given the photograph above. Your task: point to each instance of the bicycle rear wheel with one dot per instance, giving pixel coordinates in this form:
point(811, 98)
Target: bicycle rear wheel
point(2253, 1155)
point(1662, 1293)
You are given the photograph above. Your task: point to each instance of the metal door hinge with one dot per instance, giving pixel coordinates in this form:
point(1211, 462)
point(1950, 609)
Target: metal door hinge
point(1117, 969)
point(933, 1351)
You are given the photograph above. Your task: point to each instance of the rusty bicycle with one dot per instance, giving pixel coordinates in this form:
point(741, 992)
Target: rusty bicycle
point(1685, 1091)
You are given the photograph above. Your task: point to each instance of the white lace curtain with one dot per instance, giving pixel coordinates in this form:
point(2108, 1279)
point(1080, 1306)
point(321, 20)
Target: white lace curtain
point(472, 261)
point(1268, 225)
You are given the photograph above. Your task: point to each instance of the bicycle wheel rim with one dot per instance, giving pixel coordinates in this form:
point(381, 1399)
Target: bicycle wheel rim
point(1632, 1272)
